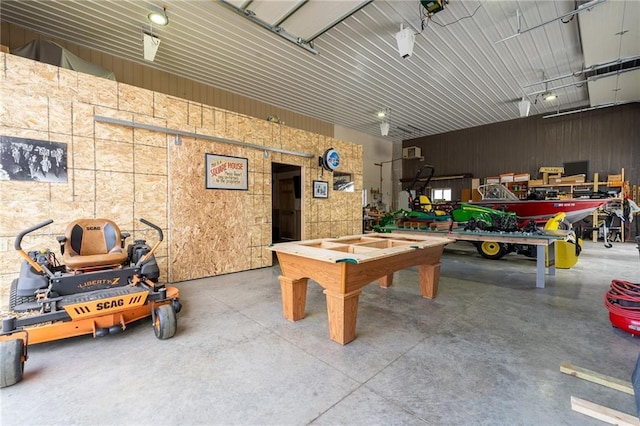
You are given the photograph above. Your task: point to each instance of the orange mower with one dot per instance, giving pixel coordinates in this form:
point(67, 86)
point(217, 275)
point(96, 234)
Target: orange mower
point(99, 287)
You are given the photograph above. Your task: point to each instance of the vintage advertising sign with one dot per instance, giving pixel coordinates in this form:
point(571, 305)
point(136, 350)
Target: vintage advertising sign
point(225, 172)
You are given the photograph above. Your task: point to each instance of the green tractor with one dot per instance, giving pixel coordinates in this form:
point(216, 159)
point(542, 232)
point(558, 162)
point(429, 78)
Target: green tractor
point(484, 218)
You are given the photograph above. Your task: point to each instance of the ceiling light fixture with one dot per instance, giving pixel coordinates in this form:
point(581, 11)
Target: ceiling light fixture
point(524, 106)
point(385, 114)
point(384, 128)
point(549, 96)
point(405, 38)
point(159, 18)
point(150, 46)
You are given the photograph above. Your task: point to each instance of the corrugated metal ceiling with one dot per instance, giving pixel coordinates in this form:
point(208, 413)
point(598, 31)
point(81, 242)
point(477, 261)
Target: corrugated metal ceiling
point(457, 77)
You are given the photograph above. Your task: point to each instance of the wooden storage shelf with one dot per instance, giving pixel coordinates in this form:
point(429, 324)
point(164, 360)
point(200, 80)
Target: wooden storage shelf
point(597, 215)
point(519, 189)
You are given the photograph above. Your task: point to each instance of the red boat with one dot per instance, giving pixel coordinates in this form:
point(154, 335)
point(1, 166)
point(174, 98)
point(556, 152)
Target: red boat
point(497, 196)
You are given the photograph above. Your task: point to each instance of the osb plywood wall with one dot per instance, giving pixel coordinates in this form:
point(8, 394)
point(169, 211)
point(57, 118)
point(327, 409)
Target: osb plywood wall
point(139, 75)
point(124, 173)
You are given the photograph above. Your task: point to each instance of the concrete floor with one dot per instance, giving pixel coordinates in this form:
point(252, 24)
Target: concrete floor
point(487, 350)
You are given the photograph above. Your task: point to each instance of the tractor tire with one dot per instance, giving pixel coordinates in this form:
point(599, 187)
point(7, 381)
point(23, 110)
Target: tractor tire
point(491, 250)
point(165, 321)
point(14, 299)
point(11, 362)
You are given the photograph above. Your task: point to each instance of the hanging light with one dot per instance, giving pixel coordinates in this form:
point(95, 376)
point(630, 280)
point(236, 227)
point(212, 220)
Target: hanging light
point(385, 114)
point(384, 128)
point(524, 106)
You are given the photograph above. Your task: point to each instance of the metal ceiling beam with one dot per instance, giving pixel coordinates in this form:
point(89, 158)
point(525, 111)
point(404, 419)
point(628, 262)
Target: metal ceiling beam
point(274, 29)
point(575, 111)
point(578, 83)
point(583, 71)
point(585, 6)
point(291, 12)
point(342, 18)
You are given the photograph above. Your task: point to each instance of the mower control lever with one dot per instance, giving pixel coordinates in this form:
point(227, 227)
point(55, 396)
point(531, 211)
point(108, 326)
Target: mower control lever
point(146, 257)
point(156, 227)
point(18, 242)
point(18, 246)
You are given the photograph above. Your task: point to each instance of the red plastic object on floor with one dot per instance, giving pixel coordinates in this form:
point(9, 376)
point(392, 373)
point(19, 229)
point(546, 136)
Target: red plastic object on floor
point(623, 302)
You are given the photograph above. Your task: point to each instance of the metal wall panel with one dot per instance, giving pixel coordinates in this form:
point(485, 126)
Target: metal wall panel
point(608, 138)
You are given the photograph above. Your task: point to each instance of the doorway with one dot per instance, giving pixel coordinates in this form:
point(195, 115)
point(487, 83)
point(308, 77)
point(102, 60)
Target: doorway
point(286, 203)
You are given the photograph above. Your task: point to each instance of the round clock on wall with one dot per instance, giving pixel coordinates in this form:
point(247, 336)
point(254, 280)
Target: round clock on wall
point(330, 160)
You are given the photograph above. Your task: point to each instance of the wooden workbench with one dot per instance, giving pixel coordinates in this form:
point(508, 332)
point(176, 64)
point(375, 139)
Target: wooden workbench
point(541, 241)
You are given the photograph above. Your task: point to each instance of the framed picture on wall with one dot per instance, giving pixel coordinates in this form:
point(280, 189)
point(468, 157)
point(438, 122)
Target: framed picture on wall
point(320, 189)
point(32, 160)
point(224, 172)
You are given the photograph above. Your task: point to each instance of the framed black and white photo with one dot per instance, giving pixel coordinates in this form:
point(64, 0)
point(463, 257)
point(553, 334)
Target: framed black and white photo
point(320, 189)
point(32, 160)
point(224, 172)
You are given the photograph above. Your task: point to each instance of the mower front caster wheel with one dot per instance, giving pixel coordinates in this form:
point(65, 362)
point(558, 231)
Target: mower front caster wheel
point(491, 249)
point(11, 362)
point(164, 321)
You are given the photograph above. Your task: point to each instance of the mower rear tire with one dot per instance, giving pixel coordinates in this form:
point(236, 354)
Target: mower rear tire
point(11, 362)
point(491, 249)
point(14, 299)
point(164, 321)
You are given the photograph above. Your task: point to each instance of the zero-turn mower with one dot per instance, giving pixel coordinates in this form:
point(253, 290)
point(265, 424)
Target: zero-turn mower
point(99, 287)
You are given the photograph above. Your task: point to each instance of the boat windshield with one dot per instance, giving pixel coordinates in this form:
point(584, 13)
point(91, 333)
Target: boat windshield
point(496, 191)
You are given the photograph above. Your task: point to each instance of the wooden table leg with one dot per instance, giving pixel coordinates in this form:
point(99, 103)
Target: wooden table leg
point(386, 281)
point(294, 297)
point(342, 310)
point(429, 277)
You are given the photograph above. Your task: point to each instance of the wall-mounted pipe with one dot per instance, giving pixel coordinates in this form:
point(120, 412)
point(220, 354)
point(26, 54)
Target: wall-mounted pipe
point(133, 124)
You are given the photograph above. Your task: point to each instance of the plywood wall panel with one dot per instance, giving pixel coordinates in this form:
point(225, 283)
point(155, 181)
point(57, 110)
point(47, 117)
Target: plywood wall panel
point(82, 119)
point(208, 124)
point(135, 99)
point(151, 189)
point(14, 113)
point(18, 214)
point(173, 109)
point(125, 174)
point(150, 212)
point(120, 213)
point(113, 132)
point(84, 152)
point(146, 77)
point(150, 160)
point(59, 111)
point(24, 73)
point(64, 213)
point(150, 137)
point(114, 156)
point(97, 91)
point(83, 185)
point(194, 115)
point(115, 187)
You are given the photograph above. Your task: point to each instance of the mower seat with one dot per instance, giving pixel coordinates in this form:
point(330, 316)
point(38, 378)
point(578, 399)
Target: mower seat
point(90, 243)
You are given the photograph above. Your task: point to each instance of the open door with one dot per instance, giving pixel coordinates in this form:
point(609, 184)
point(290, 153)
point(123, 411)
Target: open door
point(286, 203)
